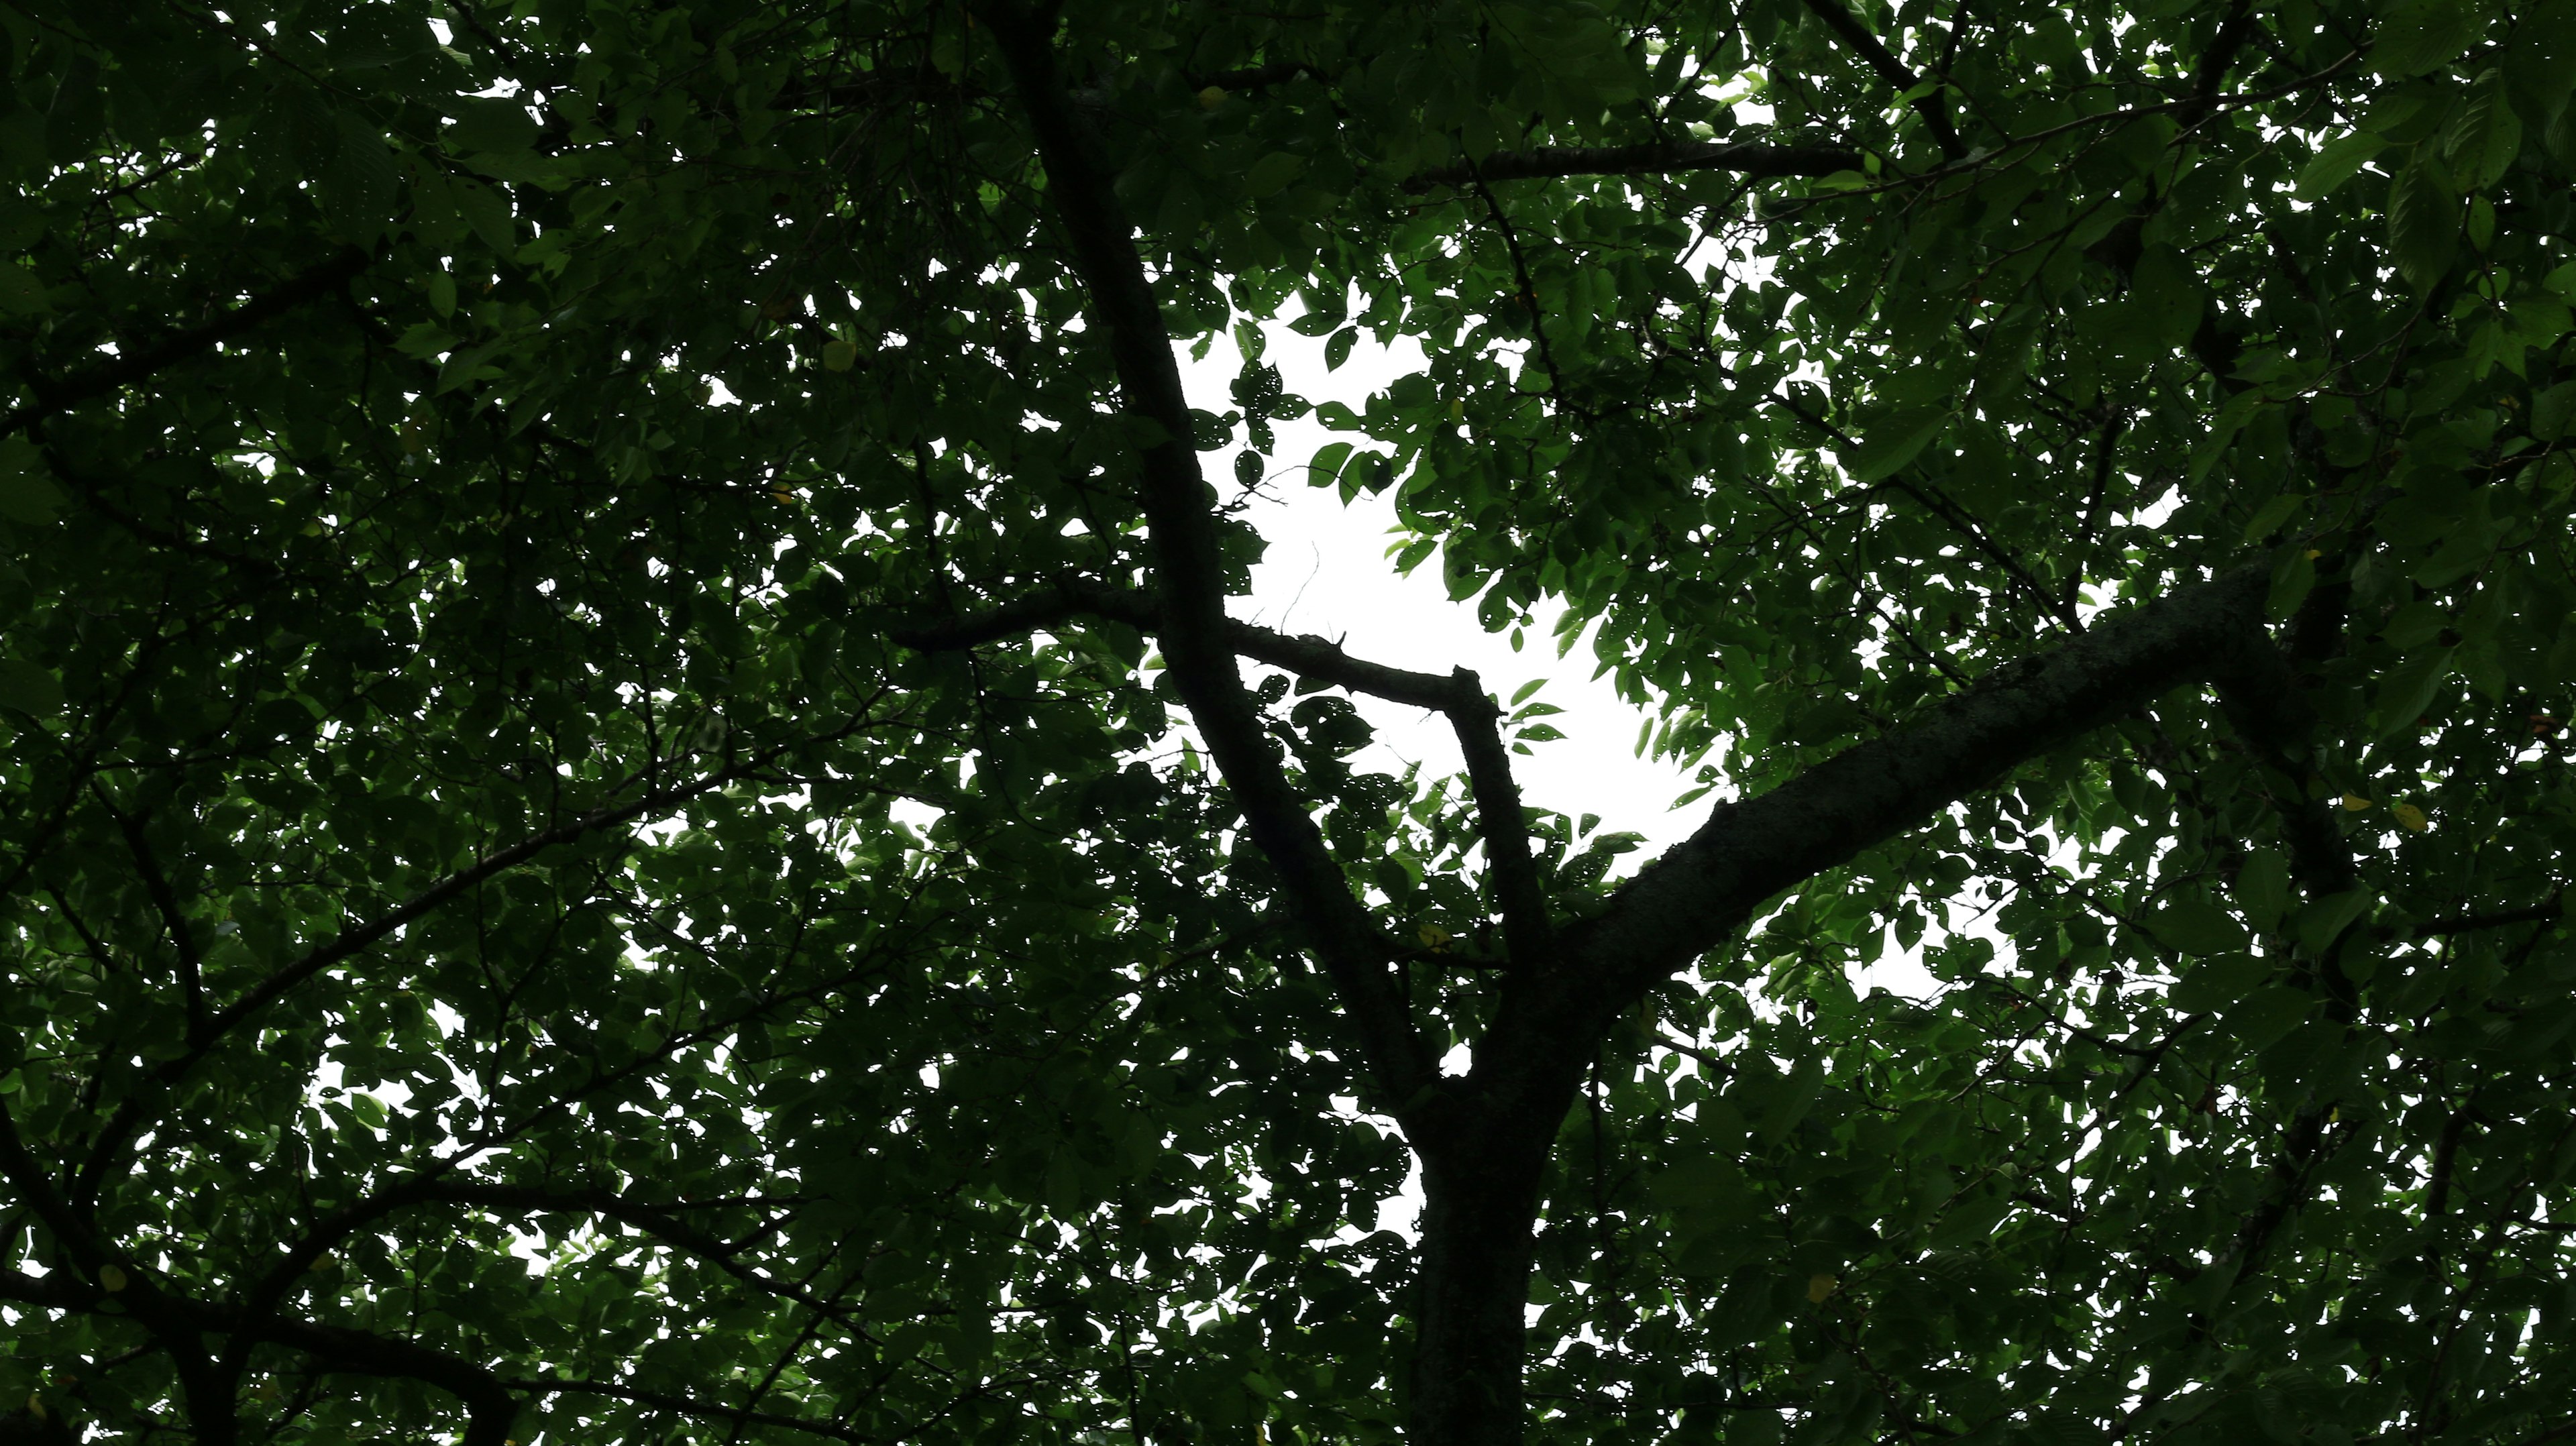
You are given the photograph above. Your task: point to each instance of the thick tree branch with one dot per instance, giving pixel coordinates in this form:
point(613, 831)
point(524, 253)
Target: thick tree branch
point(2548, 909)
point(2210, 71)
point(180, 1324)
point(98, 1271)
point(51, 398)
point(1934, 110)
point(1460, 696)
point(1184, 545)
point(1702, 888)
point(1648, 158)
point(1477, 721)
point(489, 1406)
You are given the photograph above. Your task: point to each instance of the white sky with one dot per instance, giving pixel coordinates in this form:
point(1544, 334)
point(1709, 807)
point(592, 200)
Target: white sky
point(1328, 573)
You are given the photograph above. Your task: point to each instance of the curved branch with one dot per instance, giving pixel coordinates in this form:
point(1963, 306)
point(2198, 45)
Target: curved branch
point(1460, 696)
point(359, 937)
point(683, 1405)
point(51, 398)
point(1650, 158)
point(1188, 559)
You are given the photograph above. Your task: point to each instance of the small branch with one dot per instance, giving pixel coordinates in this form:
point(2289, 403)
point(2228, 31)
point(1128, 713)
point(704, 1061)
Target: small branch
point(2096, 505)
point(1460, 697)
point(1649, 158)
point(174, 920)
point(357, 938)
point(2097, 1040)
point(683, 1405)
point(2548, 909)
point(1934, 110)
point(1958, 519)
point(1528, 296)
point(142, 361)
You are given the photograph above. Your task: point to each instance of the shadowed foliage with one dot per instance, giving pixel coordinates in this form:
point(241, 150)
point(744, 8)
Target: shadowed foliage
point(630, 810)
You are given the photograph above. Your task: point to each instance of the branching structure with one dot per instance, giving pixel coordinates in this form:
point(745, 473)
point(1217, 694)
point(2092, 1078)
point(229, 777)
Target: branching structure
point(633, 811)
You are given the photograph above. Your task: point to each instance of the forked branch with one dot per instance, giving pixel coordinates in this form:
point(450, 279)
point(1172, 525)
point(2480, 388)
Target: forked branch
point(1459, 696)
point(1934, 110)
point(1182, 542)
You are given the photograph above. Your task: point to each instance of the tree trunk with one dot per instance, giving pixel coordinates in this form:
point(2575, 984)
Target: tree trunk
point(1480, 1188)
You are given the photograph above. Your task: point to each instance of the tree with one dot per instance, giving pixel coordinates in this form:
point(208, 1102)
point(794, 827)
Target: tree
point(633, 811)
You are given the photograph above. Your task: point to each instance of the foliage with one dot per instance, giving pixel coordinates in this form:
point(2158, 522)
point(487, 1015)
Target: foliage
point(548, 892)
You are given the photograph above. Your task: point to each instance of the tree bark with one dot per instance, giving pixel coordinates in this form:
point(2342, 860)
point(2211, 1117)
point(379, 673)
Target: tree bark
point(1480, 1187)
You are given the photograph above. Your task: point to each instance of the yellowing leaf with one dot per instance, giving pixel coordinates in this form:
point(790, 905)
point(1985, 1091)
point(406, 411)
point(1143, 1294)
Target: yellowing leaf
point(1212, 97)
point(111, 1279)
point(2410, 816)
point(1435, 938)
point(1821, 1286)
point(2355, 802)
point(838, 355)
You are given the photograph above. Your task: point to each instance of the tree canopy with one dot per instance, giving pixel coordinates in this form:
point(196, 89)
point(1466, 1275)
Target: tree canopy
point(633, 811)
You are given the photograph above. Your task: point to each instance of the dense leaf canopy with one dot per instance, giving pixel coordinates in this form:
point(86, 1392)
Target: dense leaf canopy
point(630, 814)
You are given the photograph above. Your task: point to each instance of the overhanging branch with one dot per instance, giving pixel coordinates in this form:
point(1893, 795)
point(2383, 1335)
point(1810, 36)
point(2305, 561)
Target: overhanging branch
point(366, 934)
point(50, 398)
point(1189, 568)
point(1459, 696)
point(1935, 111)
point(1651, 158)
point(1689, 899)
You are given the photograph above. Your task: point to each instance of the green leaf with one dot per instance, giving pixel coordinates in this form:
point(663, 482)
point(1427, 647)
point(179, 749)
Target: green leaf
point(2484, 136)
point(1326, 468)
point(1272, 173)
point(29, 689)
point(1894, 439)
point(2339, 162)
point(2196, 926)
point(487, 212)
point(2423, 223)
point(490, 124)
point(2266, 1015)
point(21, 294)
point(2408, 690)
point(2550, 410)
point(2269, 518)
point(2263, 888)
point(2421, 35)
point(27, 490)
point(2322, 921)
point(359, 185)
point(2540, 63)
